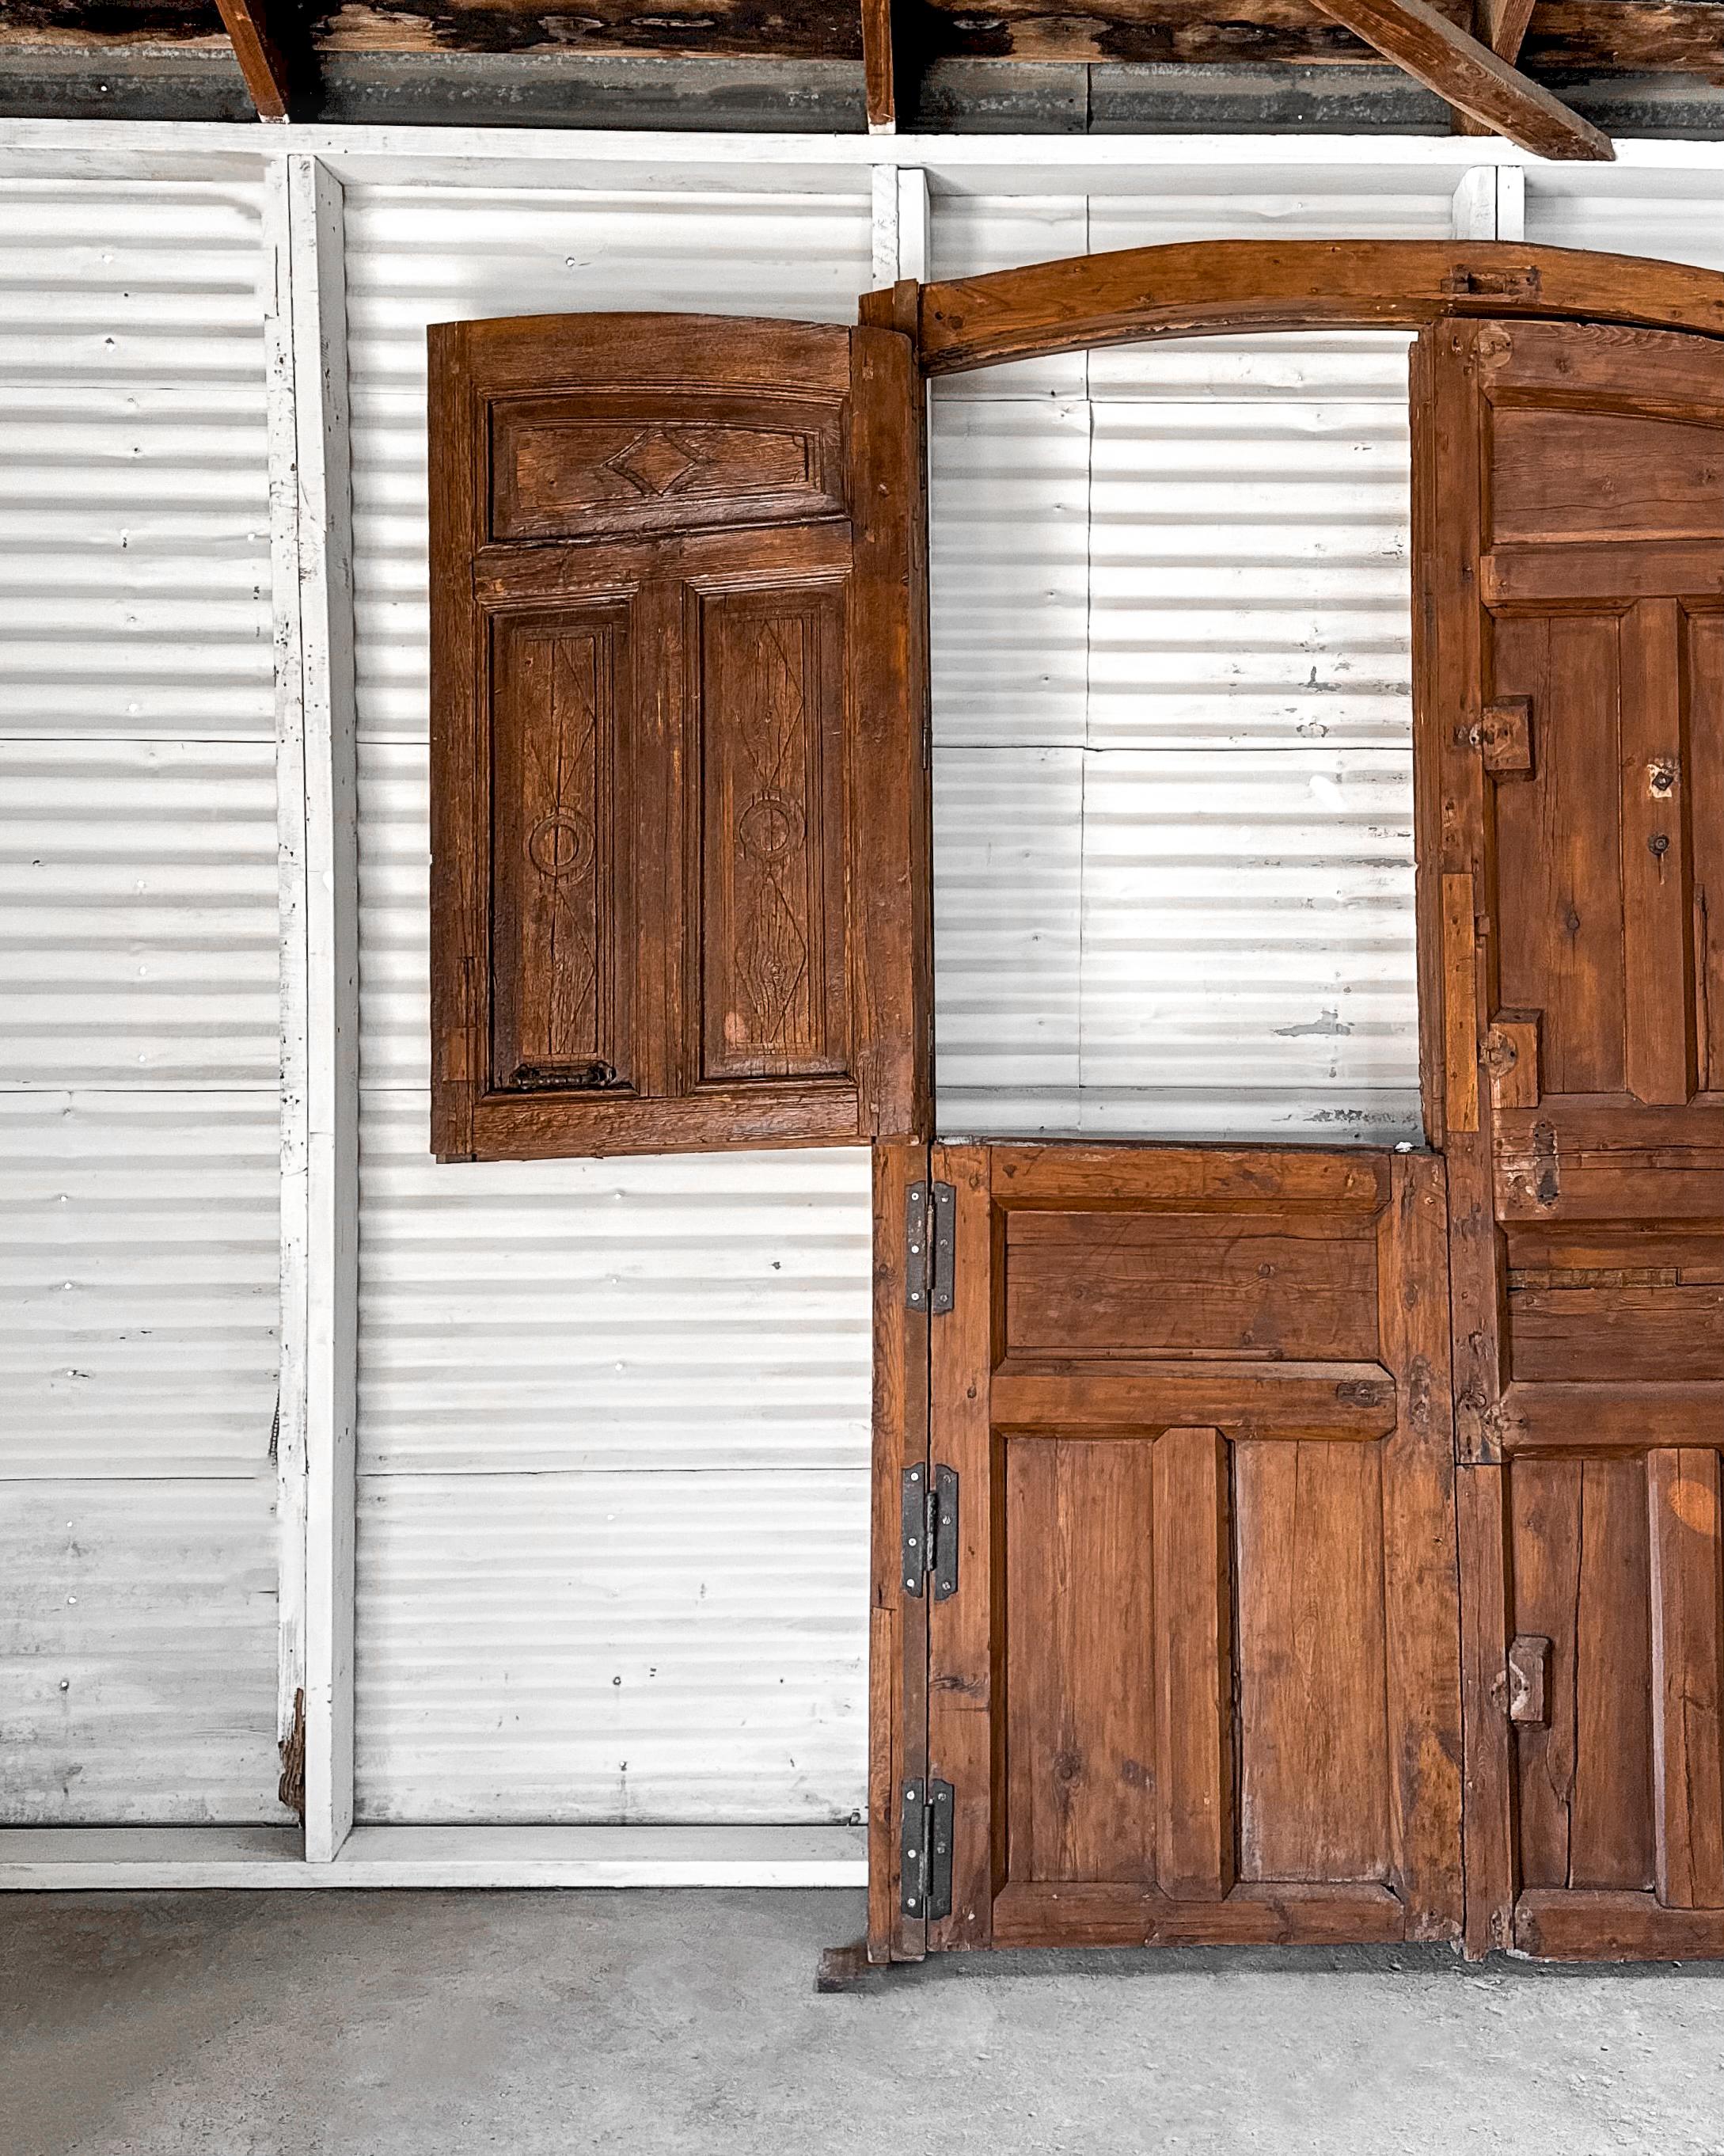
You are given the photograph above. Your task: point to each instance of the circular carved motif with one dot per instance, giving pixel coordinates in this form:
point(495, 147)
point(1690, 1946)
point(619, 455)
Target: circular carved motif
point(560, 843)
point(770, 825)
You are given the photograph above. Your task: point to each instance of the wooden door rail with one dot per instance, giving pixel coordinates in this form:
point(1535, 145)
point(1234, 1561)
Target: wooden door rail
point(1221, 287)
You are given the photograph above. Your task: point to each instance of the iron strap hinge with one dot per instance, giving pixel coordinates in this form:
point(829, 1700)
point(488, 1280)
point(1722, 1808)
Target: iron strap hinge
point(930, 1220)
point(925, 1854)
point(929, 1536)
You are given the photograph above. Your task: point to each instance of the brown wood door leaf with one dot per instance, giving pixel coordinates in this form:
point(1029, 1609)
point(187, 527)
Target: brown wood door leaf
point(1569, 504)
point(678, 785)
point(1200, 1679)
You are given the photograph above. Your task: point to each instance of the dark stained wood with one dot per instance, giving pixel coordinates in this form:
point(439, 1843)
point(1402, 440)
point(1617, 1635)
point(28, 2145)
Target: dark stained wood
point(1471, 76)
point(1573, 1926)
point(1683, 1490)
point(1106, 1914)
point(898, 1628)
point(1182, 1283)
point(1120, 1509)
point(1321, 1402)
point(1566, 36)
point(1083, 1704)
point(268, 81)
point(1658, 1331)
point(1572, 535)
point(1420, 1552)
point(1609, 1417)
point(1313, 1735)
point(1511, 1058)
point(966, 1694)
point(1581, 1580)
point(1218, 288)
point(1488, 1791)
point(678, 679)
point(1192, 1570)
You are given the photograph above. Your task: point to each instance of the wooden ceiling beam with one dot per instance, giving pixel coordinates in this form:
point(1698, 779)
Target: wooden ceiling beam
point(260, 61)
point(1473, 79)
point(893, 52)
point(1502, 24)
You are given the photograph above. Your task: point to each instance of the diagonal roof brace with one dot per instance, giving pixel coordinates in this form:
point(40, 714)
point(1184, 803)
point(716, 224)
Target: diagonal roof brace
point(1473, 79)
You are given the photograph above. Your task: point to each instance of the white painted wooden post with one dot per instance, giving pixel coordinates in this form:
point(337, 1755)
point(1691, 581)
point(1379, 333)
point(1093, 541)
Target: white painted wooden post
point(290, 882)
point(915, 231)
point(332, 941)
point(883, 224)
point(1475, 203)
point(1511, 202)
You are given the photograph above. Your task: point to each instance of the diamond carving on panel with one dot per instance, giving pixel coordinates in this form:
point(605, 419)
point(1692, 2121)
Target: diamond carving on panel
point(654, 463)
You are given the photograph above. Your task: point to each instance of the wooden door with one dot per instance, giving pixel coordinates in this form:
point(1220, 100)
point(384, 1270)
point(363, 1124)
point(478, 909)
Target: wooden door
point(1190, 1669)
point(678, 785)
point(1569, 505)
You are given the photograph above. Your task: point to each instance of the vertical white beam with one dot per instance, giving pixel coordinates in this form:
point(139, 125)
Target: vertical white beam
point(332, 908)
point(884, 225)
point(915, 229)
point(1511, 202)
point(291, 883)
point(1475, 203)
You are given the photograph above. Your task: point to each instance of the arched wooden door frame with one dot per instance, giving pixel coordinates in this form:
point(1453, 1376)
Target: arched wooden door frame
point(1229, 287)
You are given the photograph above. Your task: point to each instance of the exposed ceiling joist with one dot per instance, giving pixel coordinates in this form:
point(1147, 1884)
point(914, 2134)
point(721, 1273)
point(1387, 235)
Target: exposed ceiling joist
point(260, 61)
point(1502, 24)
point(1473, 78)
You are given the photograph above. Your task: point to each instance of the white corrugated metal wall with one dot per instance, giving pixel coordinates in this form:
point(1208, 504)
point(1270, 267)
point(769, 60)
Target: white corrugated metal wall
point(612, 1416)
point(138, 1068)
point(612, 1548)
point(1172, 700)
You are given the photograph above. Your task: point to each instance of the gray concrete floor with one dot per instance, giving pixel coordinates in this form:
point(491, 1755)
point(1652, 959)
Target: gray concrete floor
point(403, 2023)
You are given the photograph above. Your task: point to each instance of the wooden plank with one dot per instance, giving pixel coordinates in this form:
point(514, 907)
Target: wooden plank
point(1421, 1579)
point(1460, 1005)
point(1082, 1702)
point(1193, 1573)
point(1087, 1283)
point(268, 82)
point(1626, 570)
point(1581, 1581)
point(890, 865)
point(898, 1639)
point(1105, 1914)
point(1683, 1492)
point(1511, 1058)
point(1610, 1418)
point(1573, 1926)
point(965, 1709)
point(1657, 1334)
point(1488, 1799)
point(1314, 1769)
point(1657, 883)
point(1567, 37)
point(1182, 1178)
point(1218, 288)
point(1348, 1401)
point(1471, 77)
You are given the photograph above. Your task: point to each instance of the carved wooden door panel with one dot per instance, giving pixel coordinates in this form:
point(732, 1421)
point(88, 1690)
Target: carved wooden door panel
point(1569, 503)
point(678, 783)
point(1191, 1615)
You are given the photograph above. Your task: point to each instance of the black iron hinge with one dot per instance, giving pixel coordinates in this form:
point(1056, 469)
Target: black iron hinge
point(924, 1860)
point(930, 1218)
point(928, 1538)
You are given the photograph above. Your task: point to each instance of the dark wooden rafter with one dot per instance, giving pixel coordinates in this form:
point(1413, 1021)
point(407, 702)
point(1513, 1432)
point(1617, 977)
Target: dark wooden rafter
point(1502, 24)
point(889, 48)
point(259, 56)
point(1473, 79)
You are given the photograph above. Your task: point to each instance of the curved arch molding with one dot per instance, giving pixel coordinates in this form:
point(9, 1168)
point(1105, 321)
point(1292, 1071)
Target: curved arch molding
point(1220, 288)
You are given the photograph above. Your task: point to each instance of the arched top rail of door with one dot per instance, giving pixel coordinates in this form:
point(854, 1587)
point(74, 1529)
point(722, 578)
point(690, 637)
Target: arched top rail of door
point(1218, 288)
